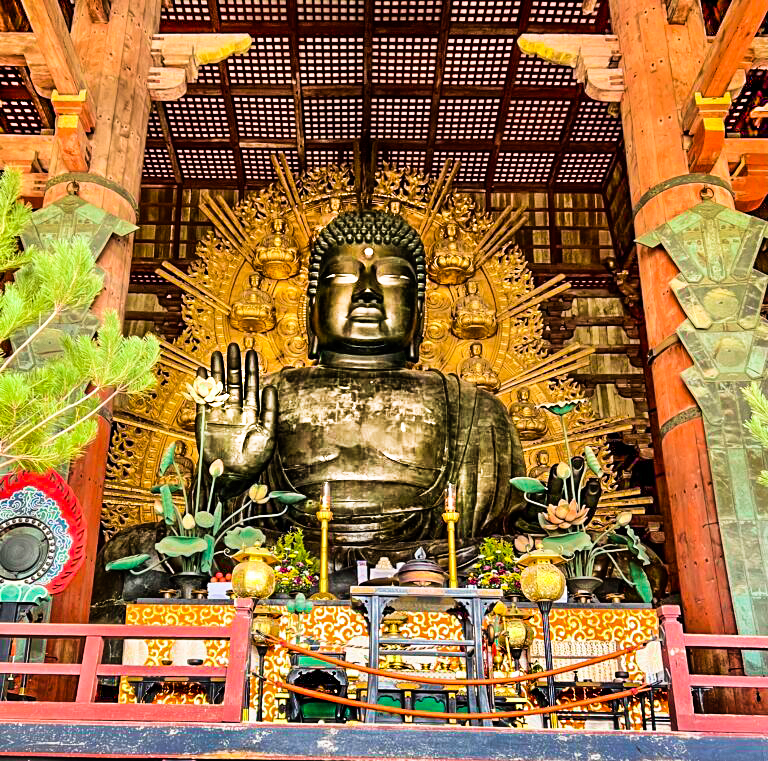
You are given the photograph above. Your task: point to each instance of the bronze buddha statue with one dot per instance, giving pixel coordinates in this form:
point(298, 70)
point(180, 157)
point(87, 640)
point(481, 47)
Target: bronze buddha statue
point(388, 438)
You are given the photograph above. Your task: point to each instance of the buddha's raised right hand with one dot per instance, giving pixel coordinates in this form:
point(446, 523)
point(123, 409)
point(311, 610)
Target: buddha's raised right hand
point(240, 433)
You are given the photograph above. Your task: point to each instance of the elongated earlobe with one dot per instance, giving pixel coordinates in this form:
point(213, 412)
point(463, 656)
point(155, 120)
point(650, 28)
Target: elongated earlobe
point(313, 351)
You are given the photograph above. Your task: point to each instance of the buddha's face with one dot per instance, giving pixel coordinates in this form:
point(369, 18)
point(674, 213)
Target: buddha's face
point(366, 300)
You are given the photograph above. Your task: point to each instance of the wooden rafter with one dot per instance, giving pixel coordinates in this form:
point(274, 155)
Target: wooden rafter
point(57, 48)
point(296, 86)
point(727, 53)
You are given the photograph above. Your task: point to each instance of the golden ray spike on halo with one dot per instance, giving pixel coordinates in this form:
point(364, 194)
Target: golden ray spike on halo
point(180, 356)
point(574, 437)
point(507, 224)
point(192, 286)
point(138, 423)
point(547, 375)
point(213, 207)
point(557, 361)
point(500, 242)
point(439, 194)
point(524, 305)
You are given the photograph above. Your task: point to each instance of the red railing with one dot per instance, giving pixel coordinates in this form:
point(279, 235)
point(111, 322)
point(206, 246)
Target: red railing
point(88, 671)
point(681, 681)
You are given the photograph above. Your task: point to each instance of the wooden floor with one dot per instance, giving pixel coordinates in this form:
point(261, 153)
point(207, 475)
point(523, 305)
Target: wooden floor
point(360, 742)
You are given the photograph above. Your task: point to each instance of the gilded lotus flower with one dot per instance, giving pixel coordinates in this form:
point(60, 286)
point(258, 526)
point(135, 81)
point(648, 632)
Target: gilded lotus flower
point(563, 515)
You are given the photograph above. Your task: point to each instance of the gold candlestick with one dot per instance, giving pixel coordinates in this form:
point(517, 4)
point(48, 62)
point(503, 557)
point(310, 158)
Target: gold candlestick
point(324, 515)
point(450, 516)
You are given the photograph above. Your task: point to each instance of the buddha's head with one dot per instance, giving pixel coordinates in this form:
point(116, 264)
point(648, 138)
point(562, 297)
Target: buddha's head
point(367, 278)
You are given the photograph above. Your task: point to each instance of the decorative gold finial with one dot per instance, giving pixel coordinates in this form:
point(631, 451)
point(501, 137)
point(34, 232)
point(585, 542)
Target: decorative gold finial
point(477, 369)
point(471, 317)
point(254, 311)
point(278, 252)
point(450, 263)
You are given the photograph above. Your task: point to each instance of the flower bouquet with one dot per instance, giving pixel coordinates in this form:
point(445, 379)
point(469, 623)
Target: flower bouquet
point(495, 567)
point(297, 569)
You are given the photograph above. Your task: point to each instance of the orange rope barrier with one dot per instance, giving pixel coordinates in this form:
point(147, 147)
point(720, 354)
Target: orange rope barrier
point(461, 716)
point(413, 677)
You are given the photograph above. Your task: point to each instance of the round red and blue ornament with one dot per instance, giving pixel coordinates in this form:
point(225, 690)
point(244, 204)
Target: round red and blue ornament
point(42, 536)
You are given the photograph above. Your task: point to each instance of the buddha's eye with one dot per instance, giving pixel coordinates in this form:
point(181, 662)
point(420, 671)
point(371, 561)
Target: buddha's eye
point(341, 278)
point(393, 279)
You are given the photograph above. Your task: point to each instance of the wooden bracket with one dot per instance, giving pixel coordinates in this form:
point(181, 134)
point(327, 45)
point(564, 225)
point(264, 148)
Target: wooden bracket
point(178, 57)
point(73, 120)
point(708, 130)
point(31, 155)
point(748, 162)
point(594, 59)
point(21, 49)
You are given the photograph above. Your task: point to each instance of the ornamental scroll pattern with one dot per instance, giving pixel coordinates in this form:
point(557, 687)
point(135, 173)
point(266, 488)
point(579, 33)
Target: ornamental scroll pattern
point(715, 249)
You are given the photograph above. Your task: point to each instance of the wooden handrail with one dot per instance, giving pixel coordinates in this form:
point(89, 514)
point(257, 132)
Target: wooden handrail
point(675, 656)
point(88, 671)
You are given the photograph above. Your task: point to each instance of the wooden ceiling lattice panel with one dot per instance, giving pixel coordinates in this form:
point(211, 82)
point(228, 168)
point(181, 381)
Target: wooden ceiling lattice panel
point(21, 116)
point(267, 62)
point(533, 72)
point(319, 158)
point(157, 163)
point(404, 60)
point(198, 116)
point(333, 119)
point(482, 61)
point(532, 120)
point(331, 60)
point(331, 10)
point(595, 123)
point(265, 118)
point(563, 12)
point(467, 118)
point(253, 10)
point(584, 168)
point(473, 165)
point(519, 168)
point(258, 164)
point(9, 77)
point(212, 163)
point(491, 12)
point(416, 160)
point(187, 10)
point(400, 118)
point(425, 78)
point(406, 11)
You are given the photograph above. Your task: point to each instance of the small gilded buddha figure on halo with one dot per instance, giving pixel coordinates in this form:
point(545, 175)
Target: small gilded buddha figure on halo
point(530, 421)
point(541, 469)
point(476, 369)
point(254, 311)
point(471, 317)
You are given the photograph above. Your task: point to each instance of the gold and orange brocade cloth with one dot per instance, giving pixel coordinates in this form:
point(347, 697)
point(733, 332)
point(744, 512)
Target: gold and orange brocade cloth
point(336, 626)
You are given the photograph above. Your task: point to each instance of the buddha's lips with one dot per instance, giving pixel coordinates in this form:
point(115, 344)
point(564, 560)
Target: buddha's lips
point(366, 312)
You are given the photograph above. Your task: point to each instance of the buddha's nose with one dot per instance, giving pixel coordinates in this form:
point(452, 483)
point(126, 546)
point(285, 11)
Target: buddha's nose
point(368, 291)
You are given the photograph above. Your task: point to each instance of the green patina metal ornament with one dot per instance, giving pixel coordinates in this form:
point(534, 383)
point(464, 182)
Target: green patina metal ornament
point(715, 248)
point(71, 216)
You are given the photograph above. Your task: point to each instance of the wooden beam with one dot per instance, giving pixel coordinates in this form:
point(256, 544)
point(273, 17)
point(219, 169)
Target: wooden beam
point(57, 49)
point(98, 10)
point(725, 55)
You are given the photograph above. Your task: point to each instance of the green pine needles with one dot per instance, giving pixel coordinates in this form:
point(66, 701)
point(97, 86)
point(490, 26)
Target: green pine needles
point(757, 425)
point(47, 413)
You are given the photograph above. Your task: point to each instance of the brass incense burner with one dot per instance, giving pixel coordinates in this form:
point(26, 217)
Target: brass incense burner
point(421, 572)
